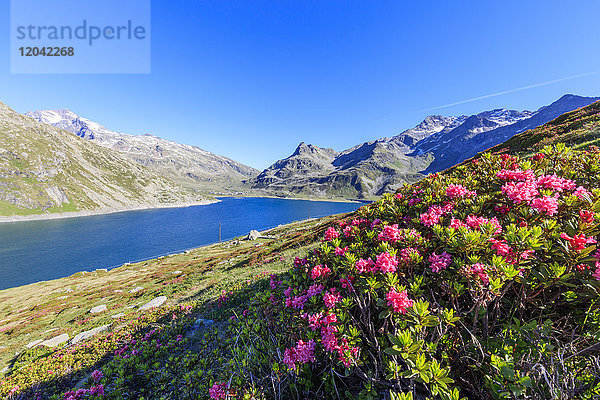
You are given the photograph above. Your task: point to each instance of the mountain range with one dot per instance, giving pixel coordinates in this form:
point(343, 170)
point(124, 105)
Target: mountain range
point(56, 160)
point(44, 169)
point(189, 165)
point(372, 168)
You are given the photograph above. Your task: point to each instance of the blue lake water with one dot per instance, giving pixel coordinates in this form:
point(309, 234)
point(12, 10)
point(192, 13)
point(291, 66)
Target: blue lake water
point(33, 251)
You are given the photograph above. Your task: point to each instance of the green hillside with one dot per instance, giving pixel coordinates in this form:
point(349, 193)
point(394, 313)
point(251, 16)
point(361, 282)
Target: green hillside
point(46, 170)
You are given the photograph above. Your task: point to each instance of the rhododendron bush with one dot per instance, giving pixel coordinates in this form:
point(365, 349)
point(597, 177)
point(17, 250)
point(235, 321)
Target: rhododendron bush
point(478, 283)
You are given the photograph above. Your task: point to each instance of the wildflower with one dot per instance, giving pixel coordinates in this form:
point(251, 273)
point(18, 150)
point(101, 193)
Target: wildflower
point(218, 391)
point(439, 262)
point(314, 290)
point(518, 192)
point(457, 223)
point(555, 182)
point(578, 242)
point(390, 233)
point(432, 216)
point(347, 283)
point(332, 298)
point(502, 209)
point(97, 375)
point(97, 390)
point(314, 320)
point(516, 175)
point(367, 265)
point(399, 196)
point(500, 246)
point(328, 338)
point(546, 204)
point(475, 222)
point(596, 273)
point(582, 193)
point(479, 271)
point(453, 191)
point(538, 157)
point(399, 301)
point(587, 217)
point(298, 302)
point(375, 222)
point(407, 254)
point(331, 233)
point(339, 251)
point(386, 262)
point(349, 232)
point(319, 270)
point(414, 201)
point(305, 351)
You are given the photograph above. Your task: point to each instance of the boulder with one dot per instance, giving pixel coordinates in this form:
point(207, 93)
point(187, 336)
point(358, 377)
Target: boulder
point(88, 334)
point(136, 289)
point(55, 341)
point(119, 315)
point(98, 309)
point(253, 235)
point(156, 302)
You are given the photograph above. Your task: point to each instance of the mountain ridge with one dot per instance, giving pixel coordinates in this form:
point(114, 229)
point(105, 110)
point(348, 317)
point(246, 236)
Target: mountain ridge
point(372, 168)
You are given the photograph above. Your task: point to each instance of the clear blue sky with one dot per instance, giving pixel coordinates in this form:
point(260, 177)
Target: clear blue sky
point(250, 79)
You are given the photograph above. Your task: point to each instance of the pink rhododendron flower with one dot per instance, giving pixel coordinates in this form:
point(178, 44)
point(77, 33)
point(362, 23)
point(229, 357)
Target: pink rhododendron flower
point(298, 302)
point(375, 223)
point(518, 192)
point(331, 233)
point(328, 338)
point(596, 273)
point(390, 233)
point(386, 262)
point(347, 283)
point(587, 217)
point(97, 375)
point(332, 298)
point(453, 191)
point(538, 157)
point(545, 204)
point(439, 262)
point(339, 251)
point(363, 266)
point(399, 196)
point(414, 201)
point(501, 247)
point(314, 321)
point(302, 353)
point(475, 222)
point(516, 175)
point(457, 223)
point(349, 232)
point(479, 271)
point(432, 216)
point(97, 390)
point(399, 301)
point(314, 290)
point(319, 271)
point(218, 391)
point(578, 242)
point(555, 182)
point(582, 193)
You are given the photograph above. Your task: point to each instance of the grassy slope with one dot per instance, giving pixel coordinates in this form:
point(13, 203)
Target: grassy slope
point(35, 158)
point(46, 309)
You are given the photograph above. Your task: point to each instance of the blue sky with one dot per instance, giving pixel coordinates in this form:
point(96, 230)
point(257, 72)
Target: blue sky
point(251, 79)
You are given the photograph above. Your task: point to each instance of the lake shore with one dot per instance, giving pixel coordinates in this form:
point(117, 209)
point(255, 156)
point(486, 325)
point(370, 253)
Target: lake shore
point(101, 211)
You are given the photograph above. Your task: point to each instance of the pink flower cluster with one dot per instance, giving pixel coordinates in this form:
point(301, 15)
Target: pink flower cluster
point(407, 254)
point(546, 204)
point(364, 266)
point(340, 251)
point(399, 301)
point(390, 233)
point(299, 300)
point(302, 353)
point(331, 233)
point(475, 222)
point(319, 271)
point(218, 391)
point(587, 217)
point(331, 298)
point(578, 242)
point(479, 271)
point(386, 262)
point(454, 191)
point(80, 394)
point(439, 262)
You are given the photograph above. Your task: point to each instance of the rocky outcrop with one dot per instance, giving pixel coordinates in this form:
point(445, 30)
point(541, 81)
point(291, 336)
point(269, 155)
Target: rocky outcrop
point(156, 302)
